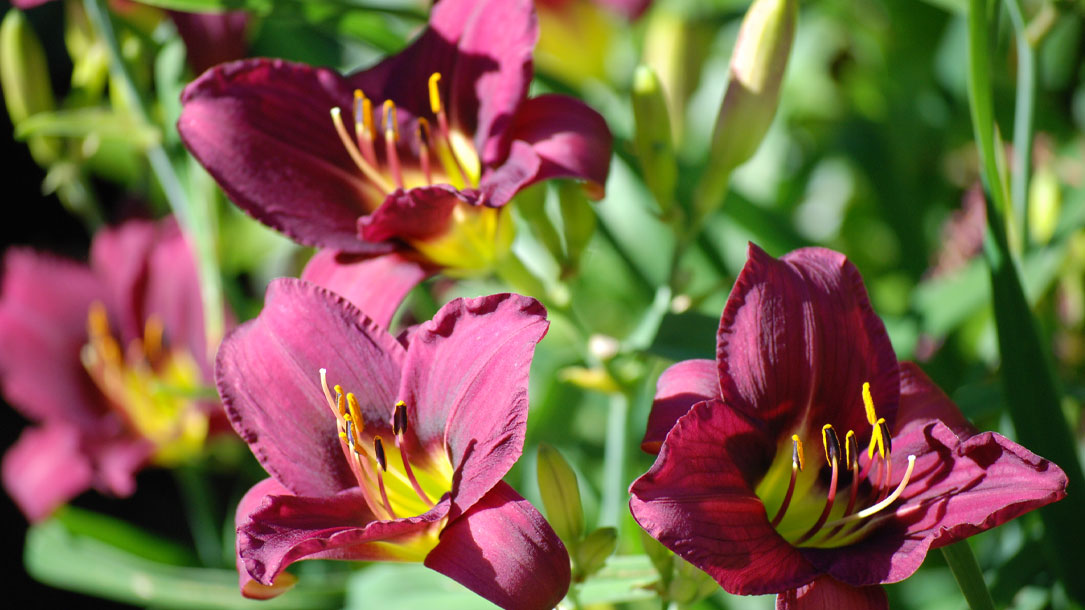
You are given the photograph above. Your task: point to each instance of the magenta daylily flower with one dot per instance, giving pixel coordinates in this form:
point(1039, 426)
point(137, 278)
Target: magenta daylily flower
point(891, 468)
point(418, 154)
point(106, 360)
point(383, 452)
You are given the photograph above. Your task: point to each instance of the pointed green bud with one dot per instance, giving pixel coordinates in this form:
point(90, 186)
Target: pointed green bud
point(676, 44)
point(24, 75)
point(758, 63)
point(531, 204)
point(591, 554)
point(560, 495)
point(1044, 204)
point(578, 222)
point(652, 139)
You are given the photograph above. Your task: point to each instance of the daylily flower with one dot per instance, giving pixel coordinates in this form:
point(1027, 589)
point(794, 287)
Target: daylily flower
point(418, 154)
point(107, 360)
point(806, 461)
point(383, 452)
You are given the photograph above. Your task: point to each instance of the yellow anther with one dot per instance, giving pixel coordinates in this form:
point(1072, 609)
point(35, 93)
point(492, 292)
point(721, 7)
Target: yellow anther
point(434, 93)
point(355, 414)
point(338, 388)
point(391, 127)
point(851, 450)
point(868, 402)
point(367, 115)
point(796, 452)
point(341, 404)
point(878, 439)
point(359, 111)
point(831, 443)
point(97, 321)
point(152, 336)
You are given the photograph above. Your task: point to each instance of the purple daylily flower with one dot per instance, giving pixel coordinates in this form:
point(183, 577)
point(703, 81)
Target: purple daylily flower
point(383, 452)
point(104, 360)
point(418, 154)
point(893, 469)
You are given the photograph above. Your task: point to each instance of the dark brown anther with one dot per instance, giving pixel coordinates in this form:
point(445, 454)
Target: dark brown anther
point(378, 452)
point(888, 439)
point(399, 418)
point(851, 450)
point(831, 443)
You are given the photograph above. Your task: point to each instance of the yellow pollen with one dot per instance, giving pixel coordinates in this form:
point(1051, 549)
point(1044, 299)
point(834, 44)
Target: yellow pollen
point(434, 93)
point(152, 336)
point(851, 450)
point(391, 127)
point(877, 439)
point(97, 321)
point(797, 457)
point(831, 443)
point(359, 112)
point(355, 414)
point(868, 402)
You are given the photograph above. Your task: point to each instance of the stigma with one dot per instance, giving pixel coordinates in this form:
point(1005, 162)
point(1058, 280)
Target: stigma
point(391, 158)
point(810, 512)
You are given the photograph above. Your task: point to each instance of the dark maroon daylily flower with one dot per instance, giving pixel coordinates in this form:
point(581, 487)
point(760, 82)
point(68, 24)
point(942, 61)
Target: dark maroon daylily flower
point(418, 154)
point(802, 360)
point(383, 452)
point(105, 360)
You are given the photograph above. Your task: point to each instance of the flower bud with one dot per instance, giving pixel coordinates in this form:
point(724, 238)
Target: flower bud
point(675, 47)
point(652, 138)
point(591, 554)
point(531, 203)
point(24, 75)
point(560, 495)
point(578, 222)
point(757, 70)
point(1045, 202)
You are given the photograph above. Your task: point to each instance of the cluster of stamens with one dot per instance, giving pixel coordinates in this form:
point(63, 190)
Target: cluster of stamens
point(458, 163)
point(389, 492)
point(149, 386)
point(849, 524)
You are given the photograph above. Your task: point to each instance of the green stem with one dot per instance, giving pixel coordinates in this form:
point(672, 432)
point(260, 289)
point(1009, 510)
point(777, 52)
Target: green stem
point(962, 562)
point(197, 223)
point(1023, 122)
point(1028, 377)
point(614, 484)
point(197, 498)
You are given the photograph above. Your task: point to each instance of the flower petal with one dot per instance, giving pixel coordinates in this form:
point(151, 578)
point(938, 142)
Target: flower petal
point(518, 170)
point(249, 503)
point(45, 468)
point(505, 551)
point(798, 339)
point(630, 9)
point(173, 292)
point(262, 128)
point(375, 285)
point(465, 385)
point(826, 593)
point(268, 376)
point(119, 256)
point(960, 487)
point(43, 309)
point(285, 528)
point(419, 213)
point(571, 139)
point(211, 38)
point(680, 387)
point(698, 500)
point(482, 49)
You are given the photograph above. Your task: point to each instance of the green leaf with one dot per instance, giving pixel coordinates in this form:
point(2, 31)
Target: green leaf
point(83, 122)
point(60, 557)
point(624, 578)
point(966, 570)
point(560, 495)
point(409, 586)
point(686, 335)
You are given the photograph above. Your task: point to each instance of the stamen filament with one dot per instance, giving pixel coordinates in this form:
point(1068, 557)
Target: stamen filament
point(363, 126)
point(832, 455)
point(378, 453)
point(796, 466)
point(423, 149)
point(443, 131)
point(867, 512)
point(356, 156)
point(391, 138)
point(399, 428)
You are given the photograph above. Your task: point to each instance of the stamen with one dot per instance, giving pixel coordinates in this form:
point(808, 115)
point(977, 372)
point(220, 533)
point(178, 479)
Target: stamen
point(863, 514)
point(355, 416)
point(852, 458)
point(391, 137)
point(356, 156)
point(399, 428)
point(868, 402)
point(153, 332)
point(796, 466)
point(448, 156)
point(832, 455)
point(363, 126)
point(423, 149)
point(378, 453)
point(434, 93)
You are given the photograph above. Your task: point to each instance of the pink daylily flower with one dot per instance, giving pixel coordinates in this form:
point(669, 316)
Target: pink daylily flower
point(891, 468)
point(105, 361)
point(378, 451)
point(417, 155)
